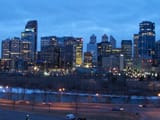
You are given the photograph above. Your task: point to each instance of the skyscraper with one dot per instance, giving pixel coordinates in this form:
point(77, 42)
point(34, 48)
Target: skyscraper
point(104, 38)
point(146, 42)
point(144, 46)
point(157, 52)
point(48, 41)
point(136, 39)
point(77, 45)
point(32, 26)
point(93, 39)
point(5, 49)
point(127, 52)
point(92, 48)
point(30, 34)
point(113, 41)
point(61, 52)
point(11, 51)
point(104, 50)
point(88, 59)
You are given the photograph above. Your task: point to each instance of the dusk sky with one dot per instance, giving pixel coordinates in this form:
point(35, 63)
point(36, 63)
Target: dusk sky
point(79, 18)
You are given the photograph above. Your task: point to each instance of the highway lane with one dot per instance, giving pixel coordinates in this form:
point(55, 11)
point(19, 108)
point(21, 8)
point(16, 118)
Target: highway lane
point(149, 113)
point(17, 115)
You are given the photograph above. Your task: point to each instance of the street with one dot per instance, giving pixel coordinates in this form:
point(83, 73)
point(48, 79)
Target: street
point(150, 112)
point(15, 115)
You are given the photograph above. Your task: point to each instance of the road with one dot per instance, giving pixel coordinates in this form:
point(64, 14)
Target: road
point(148, 113)
point(16, 115)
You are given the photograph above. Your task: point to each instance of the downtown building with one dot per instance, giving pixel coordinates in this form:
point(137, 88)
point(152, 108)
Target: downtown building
point(126, 46)
point(49, 54)
point(113, 41)
point(88, 63)
point(104, 50)
point(61, 52)
point(144, 46)
point(92, 48)
point(19, 53)
point(157, 53)
point(108, 57)
point(30, 35)
point(15, 54)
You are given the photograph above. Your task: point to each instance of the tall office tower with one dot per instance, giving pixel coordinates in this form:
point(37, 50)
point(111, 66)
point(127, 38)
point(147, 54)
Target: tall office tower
point(88, 59)
point(93, 39)
point(92, 48)
point(51, 56)
point(51, 52)
point(5, 49)
point(26, 51)
point(104, 50)
point(113, 41)
point(16, 54)
point(30, 34)
point(104, 38)
point(77, 45)
point(11, 51)
point(135, 47)
point(6, 53)
point(48, 41)
point(157, 52)
point(79, 51)
point(61, 52)
point(146, 42)
point(32, 26)
point(126, 46)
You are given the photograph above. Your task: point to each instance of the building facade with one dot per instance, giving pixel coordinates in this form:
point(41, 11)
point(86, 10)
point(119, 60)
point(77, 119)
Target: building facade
point(104, 50)
point(88, 59)
point(92, 48)
point(61, 52)
point(126, 46)
point(144, 46)
point(146, 42)
point(30, 34)
point(113, 41)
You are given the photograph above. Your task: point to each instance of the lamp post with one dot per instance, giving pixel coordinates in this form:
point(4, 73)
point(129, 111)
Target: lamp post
point(158, 95)
point(61, 90)
point(97, 96)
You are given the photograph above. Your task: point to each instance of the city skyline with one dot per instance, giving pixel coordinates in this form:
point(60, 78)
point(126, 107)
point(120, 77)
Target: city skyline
point(68, 19)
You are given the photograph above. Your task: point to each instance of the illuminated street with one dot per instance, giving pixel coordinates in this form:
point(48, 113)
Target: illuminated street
point(150, 112)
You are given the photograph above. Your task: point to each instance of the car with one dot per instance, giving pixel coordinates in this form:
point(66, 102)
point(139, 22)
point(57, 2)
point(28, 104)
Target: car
point(142, 106)
point(70, 117)
point(22, 102)
point(118, 109)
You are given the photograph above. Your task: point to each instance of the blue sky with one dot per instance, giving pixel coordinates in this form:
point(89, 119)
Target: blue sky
point(79, 18)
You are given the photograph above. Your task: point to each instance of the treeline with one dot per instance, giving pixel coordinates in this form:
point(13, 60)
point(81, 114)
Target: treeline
point(77, 83)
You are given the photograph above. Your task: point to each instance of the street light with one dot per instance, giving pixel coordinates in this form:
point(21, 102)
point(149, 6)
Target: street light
point(97, 94)
point(97, 97)
point(61, 90)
